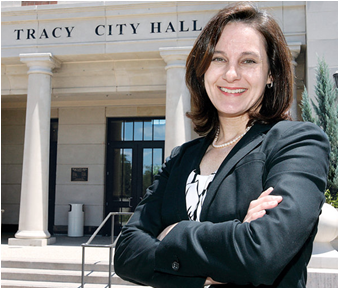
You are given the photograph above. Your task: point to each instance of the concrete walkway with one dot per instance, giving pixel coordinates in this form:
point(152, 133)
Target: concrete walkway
point(65, 250)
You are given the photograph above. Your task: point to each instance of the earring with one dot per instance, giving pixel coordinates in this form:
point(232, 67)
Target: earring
point(269, 85)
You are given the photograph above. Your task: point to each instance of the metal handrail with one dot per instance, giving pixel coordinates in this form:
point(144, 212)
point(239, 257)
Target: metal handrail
point(110, 246)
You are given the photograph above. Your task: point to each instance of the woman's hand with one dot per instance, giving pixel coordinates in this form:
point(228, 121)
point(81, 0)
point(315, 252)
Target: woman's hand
point(258, 207)
point(166, 231)
point(256, 210)
point(210, 281)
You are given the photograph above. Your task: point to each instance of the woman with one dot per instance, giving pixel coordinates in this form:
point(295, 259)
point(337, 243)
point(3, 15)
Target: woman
point(239, 206)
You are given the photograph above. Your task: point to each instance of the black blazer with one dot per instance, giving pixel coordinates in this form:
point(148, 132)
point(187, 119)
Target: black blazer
point(272, 251)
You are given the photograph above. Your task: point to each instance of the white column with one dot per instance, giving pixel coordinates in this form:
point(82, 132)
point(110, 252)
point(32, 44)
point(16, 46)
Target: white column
point(33, 218)
point(295, 50)
point(178, 126)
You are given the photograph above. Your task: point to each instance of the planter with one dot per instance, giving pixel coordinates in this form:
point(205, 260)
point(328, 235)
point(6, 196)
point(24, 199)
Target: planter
point(328, 225)
point(324, 255)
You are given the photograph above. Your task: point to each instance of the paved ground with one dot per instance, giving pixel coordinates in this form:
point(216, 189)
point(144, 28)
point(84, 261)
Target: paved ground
point(65, 249)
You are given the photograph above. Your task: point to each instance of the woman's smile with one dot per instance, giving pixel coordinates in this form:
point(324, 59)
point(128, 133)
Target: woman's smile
point(234, 91)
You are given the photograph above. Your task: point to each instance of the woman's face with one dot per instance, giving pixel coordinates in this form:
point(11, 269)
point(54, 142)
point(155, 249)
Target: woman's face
point(239, 71)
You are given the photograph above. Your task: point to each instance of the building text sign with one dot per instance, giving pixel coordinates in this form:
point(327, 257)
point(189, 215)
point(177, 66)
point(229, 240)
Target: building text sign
point(107, 30)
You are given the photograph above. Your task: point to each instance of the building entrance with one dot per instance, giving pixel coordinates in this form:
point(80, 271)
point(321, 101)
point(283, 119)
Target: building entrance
point(135, 152)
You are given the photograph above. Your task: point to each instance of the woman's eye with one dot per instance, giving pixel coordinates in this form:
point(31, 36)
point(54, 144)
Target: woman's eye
point(218, 59)
point(249, 61)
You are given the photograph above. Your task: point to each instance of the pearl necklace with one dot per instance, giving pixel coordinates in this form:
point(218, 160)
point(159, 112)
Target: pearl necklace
point(230, 142)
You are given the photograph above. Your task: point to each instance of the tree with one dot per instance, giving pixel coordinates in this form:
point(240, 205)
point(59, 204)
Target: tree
point(306, 111)
point(326, 116)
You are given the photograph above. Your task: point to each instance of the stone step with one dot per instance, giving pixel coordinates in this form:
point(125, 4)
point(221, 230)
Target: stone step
point(322, 278)
point(65, 276)
point(41, 284)
point(97, 266)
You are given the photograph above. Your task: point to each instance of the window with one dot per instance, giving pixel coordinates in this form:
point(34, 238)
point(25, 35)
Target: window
point(136, 130)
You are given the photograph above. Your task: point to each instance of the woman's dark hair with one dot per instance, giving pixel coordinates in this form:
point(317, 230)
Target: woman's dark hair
point(275, 102)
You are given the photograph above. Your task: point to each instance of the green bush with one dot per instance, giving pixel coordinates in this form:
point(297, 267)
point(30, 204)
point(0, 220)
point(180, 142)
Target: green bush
point(330, 200)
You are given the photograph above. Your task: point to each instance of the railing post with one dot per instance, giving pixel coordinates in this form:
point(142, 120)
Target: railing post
point(83, 267)
point(112, 227)
point(88, 244)
point(110, 267)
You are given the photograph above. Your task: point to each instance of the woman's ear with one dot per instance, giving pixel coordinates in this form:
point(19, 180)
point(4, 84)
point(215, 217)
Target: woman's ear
point(269, 78)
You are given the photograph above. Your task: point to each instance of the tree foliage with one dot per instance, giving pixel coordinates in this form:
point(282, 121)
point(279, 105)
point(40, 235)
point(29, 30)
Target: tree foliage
point(326, 116)
point(306, 111)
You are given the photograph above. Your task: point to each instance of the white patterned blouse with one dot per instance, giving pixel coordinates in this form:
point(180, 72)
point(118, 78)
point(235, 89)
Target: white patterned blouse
point(196, 189)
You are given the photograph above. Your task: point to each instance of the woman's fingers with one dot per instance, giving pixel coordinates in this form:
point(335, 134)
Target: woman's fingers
point(259, 214)
point(263, 203)
point(164, 233)
point(266, 192)
point(258, 207)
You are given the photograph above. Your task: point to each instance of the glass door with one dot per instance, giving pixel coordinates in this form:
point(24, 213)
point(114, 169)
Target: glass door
point(135, 152)
point(121, 185)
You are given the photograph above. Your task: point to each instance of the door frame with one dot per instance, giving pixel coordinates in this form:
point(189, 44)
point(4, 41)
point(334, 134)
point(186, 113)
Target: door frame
point(52, 173)
point(137, 148)
point(137, 165)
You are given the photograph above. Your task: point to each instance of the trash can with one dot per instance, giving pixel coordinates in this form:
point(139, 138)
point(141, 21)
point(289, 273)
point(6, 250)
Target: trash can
point(76, 220)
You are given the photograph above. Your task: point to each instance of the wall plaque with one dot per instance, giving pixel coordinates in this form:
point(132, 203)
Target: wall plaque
point(79, 175)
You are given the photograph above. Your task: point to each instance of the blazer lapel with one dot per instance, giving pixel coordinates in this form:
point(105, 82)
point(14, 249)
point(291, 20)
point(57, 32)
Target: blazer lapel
point(192, 161)
point(250, 141)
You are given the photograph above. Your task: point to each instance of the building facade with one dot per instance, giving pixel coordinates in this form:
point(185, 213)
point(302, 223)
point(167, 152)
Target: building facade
point(93, 98)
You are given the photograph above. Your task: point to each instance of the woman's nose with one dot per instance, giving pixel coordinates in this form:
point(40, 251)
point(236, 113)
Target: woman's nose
point(231, 73)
